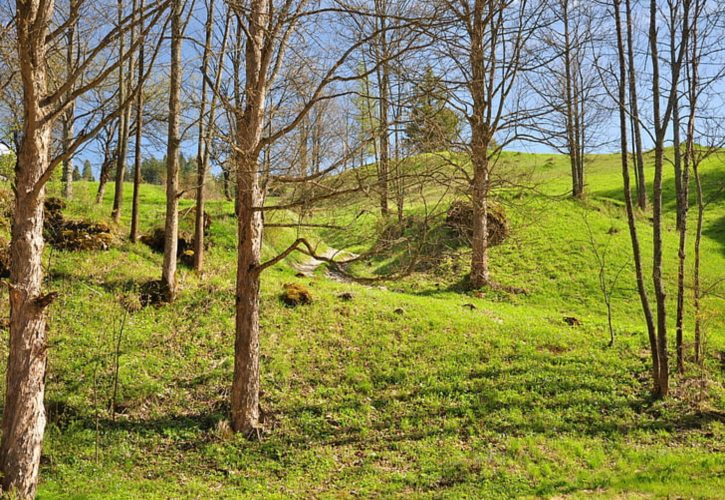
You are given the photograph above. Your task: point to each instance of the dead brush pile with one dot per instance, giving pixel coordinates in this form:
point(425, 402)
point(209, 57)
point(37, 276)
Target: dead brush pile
point(73, 235)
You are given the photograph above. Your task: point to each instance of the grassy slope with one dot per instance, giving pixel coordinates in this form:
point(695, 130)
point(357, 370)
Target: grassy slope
point(441, 400)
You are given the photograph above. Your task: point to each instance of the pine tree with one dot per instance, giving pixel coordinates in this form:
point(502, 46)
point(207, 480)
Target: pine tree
point(432, 125)
point(87, 174)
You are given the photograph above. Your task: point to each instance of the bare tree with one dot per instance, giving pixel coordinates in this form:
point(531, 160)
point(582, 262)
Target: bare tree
point(171, 227)
point(485, 41)
point(123, 128)
point(135, 208)
point(571, 91)
point(23, 422)
point(629, 205)
point(634, 112)
point(661, 120)
point(264, 30)
point(206, 129)
point(68, 117)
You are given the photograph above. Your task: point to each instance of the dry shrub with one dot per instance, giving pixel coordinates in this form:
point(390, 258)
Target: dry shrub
point(73, 235)
point(154, 293)
point(460, 219)
point(185, 245)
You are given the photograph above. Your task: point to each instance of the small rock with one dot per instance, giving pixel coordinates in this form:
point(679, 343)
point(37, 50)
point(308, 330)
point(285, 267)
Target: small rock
point(399, 310)
point(347, 296)
point(469, 306)
point(300, 275)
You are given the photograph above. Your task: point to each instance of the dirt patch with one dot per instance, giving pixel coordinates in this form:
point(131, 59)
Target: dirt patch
point(307, 268)
point(154, 293)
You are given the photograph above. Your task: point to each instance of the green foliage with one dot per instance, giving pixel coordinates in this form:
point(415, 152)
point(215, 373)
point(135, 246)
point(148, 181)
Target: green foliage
point(368, 115)
point(76, 174)
point(87, 174)
point(432, 125)
point(7, 166)
point(153, 170)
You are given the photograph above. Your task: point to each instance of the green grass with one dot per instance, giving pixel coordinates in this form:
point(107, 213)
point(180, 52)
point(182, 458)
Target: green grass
point(440, 401)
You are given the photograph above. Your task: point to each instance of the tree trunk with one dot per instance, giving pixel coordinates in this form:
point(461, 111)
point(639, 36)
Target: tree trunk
point(123, 128)
point(480, 140)
point(245, 385)
point(68, 118)
point(202, 147)
point(684, 205)
point(631, 220)
point(571, 106)
point(69, 115)
point(23, 421)
point(634, 113)
point(676, 140)
point(171, 227)
point(383, 103)
point(139, 134)
point(104, 174)
point(249, 125)
point(479, 258)
point(696, 272)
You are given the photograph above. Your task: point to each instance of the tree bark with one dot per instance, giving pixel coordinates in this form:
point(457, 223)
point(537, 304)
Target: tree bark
point(634, 113)
point(480, 140)
point(696, 271)
point(245, 384)
point(676, 139)
point(249, 120)
point(69, 115)
point(684, 205)
point(660, 121)
point(68, 118)
point(571, 107)
point(135, 208)
point(123, 129)
point(383, 103)
point(202, 147)
point(24, 420)
point(171, 227)
point(631, 220)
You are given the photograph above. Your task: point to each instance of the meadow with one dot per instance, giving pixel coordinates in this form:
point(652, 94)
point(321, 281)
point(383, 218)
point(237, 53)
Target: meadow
point(413, 386)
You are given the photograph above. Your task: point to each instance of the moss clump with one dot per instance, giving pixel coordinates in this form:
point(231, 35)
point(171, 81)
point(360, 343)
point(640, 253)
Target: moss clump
point(295, 294)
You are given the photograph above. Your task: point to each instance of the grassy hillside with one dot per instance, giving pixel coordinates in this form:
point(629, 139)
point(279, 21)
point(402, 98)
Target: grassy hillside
point(411, 388)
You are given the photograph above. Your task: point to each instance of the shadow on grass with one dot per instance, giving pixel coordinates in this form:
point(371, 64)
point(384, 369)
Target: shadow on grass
point(554, 402)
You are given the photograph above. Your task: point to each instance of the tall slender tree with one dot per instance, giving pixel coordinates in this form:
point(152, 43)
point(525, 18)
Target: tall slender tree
point(171, 227)
point(24, 419)
point(135, 203)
